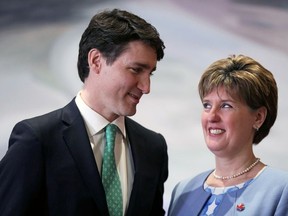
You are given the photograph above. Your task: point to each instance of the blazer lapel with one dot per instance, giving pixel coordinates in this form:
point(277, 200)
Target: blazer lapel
point(76, 138)
point(135, 196)
point(192, 202)
point(143, 179)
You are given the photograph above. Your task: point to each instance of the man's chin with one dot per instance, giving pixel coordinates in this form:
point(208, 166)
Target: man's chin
point(131, 112)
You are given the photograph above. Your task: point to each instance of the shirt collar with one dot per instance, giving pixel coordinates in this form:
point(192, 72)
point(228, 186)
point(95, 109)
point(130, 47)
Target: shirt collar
point(95, 123)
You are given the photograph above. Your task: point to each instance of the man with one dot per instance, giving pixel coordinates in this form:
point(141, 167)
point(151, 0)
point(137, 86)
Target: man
point(54, 162)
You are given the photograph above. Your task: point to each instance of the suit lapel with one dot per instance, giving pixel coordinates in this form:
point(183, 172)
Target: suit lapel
point(133, 138)
point(76, 138)
point(142, 178)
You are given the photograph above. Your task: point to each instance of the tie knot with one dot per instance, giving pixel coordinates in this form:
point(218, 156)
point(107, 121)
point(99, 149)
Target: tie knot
point(111, 133)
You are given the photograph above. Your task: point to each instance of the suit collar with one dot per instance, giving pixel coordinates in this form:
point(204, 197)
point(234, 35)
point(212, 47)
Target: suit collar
point(78, 143)
point(136, 143)
point(93, 120)
point(144, 180)
point(76, 138)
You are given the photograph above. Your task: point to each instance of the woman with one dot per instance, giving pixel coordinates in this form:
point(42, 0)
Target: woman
point(239, 99)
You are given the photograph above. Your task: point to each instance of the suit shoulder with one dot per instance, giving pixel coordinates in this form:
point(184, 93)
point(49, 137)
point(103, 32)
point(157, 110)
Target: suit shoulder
point(47, 120)
point(138, 127)
point(43, 119)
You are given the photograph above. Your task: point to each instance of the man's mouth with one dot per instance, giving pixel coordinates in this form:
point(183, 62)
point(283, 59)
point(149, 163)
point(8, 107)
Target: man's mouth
point(135, 97)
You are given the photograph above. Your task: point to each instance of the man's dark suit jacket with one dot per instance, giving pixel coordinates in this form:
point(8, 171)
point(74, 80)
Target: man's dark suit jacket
point(49, 169)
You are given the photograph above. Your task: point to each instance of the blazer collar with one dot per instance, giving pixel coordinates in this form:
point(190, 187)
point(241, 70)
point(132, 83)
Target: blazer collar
point(76, 138)
point(143, 179)
point(191, 202)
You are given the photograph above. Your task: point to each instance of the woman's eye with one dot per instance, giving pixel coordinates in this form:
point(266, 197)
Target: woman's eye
point(206, 106)
point(225, 105)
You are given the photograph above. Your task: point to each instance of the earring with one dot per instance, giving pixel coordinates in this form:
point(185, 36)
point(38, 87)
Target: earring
point(256, 127)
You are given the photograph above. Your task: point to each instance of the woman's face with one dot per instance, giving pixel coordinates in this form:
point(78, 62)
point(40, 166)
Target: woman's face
point(227, 123)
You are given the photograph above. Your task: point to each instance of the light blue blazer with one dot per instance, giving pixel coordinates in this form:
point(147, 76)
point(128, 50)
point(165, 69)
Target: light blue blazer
point(267, 195)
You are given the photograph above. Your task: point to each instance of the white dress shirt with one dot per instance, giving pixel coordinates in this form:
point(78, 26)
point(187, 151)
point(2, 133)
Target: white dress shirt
point(95, 126)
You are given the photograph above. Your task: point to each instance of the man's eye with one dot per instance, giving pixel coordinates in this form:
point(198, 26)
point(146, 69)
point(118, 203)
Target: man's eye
point(136, 70)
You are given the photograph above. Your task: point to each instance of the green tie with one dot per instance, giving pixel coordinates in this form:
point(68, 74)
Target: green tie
point(110, 178)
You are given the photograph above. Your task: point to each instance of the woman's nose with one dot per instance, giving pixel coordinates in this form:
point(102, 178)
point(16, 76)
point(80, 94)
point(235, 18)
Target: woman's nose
point(213, 115)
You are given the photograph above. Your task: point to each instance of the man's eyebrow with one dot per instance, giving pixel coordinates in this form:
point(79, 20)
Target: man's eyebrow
point(146, 66)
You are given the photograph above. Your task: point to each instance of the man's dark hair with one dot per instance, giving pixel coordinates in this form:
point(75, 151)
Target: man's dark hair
point(110, 32)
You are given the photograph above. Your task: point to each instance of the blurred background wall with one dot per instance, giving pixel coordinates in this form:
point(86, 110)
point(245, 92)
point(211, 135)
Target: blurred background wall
point(38, 55)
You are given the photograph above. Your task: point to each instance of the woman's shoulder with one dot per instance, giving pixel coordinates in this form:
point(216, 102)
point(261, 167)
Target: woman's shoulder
point(277, 172)
point(189, 184)
point(275, 175)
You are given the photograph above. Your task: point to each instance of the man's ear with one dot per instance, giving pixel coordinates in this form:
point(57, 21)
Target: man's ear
point(261, 114)
point(94, 60)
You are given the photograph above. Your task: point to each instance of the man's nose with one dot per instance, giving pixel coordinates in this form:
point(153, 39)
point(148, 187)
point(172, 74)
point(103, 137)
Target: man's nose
point(144, 85)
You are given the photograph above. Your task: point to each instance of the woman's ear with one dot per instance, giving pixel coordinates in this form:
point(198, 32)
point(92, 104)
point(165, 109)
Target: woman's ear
point(261, 114)
point(94, 60)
